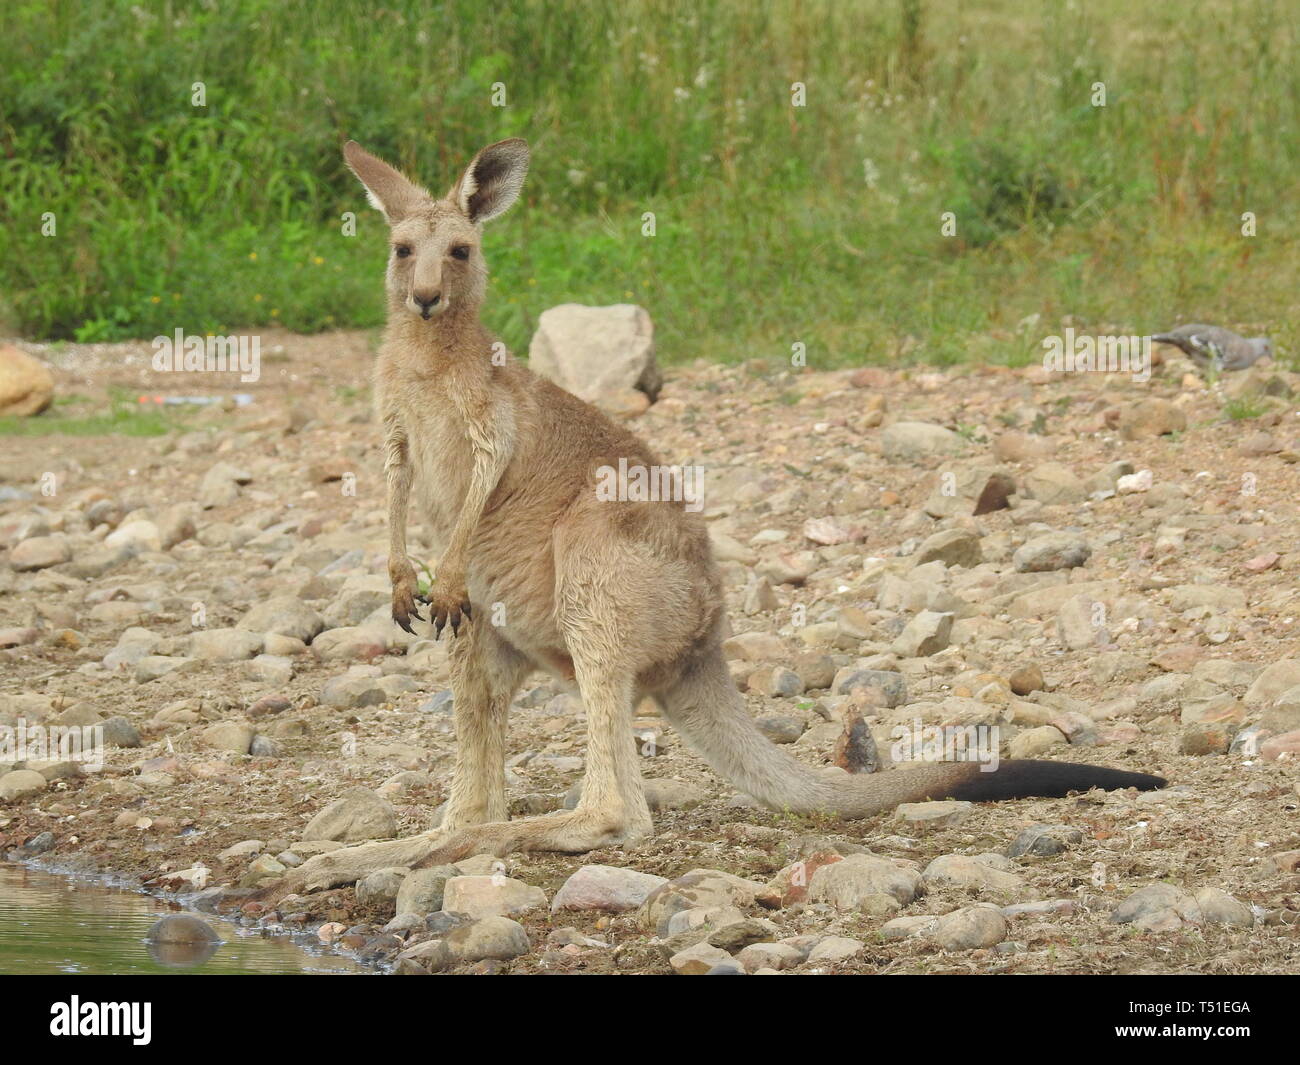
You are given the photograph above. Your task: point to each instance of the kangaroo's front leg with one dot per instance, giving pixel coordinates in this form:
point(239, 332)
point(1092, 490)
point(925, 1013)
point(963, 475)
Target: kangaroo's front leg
point(397, 474)
point(491, 434)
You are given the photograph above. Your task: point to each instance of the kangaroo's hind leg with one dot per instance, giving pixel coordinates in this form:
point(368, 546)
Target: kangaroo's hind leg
point(486, 672)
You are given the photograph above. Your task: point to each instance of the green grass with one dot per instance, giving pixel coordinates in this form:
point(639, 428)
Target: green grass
point(774, 224)
point(1243, 408)
point(77, 416)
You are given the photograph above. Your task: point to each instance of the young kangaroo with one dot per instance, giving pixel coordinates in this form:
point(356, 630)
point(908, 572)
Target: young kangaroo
point(621, 598)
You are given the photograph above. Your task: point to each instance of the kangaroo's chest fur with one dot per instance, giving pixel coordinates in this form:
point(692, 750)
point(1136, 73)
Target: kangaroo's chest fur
point(437, 438)
point(450, 420)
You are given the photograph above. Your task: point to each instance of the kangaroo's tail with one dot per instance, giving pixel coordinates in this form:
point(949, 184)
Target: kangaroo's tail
point(706, 708)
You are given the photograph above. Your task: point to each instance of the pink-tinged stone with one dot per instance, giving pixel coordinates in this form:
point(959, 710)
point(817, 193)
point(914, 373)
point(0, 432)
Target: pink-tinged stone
point(1275, 747)
point(790, 885)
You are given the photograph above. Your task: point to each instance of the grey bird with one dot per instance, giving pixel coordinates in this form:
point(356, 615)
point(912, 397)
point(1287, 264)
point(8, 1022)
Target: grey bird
point(1212, 346)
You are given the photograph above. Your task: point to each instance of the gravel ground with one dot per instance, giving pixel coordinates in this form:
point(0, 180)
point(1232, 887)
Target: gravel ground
point(216, 598)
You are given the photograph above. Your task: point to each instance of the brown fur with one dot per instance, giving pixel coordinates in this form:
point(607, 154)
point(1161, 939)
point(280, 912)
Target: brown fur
point(622, 597)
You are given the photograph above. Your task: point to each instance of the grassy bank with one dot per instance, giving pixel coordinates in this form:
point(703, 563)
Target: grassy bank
point(774, 223)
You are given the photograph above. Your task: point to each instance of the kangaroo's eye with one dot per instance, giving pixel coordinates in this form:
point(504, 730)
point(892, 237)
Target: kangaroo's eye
point(460, 251)
point(403, 250)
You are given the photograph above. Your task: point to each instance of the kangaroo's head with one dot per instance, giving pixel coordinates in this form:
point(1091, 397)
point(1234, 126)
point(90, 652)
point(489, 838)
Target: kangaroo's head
point(435, 263)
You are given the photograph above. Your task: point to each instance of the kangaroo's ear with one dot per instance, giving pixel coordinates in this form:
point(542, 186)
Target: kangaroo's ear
point(493, 180)
point(386, 189)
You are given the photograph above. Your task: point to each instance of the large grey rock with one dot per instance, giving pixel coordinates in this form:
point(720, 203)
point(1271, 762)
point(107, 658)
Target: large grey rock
point(596, 352)
point(850, 884)
point(181, 928)
point(980, 873)
point(490, 896)
point(358, 815)
point(700, 888)
point(422, 891)
point(381, 886)
point(491, 937)
point(1156, 906)
point(604, 887)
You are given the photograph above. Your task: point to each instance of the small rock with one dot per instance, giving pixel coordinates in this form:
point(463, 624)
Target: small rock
point(1051, 483)
point(933, 815)
point(1150, 418)
point(1026, 679)
point(1052, 551)
point(970, 928)
point(234, 736)
point(699, 960)
point(855, 750)
point(39, 552)
point(926, 634)
point(915, 441)
point(958, 870)
point(952, 547)
point(1035, 741)
point(1044, 840)
point(836, 949)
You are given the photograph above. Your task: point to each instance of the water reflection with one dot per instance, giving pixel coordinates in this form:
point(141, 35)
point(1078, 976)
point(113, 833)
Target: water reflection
point(56, 924)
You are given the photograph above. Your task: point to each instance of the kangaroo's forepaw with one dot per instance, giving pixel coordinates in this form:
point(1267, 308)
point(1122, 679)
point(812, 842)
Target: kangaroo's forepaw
point(447, 608)
point(404, 601)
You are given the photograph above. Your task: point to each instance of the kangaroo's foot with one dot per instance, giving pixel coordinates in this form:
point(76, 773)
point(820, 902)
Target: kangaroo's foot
point(347, 865)
point(570, 832)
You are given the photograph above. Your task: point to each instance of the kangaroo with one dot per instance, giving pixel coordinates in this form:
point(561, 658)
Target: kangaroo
point(620, 599)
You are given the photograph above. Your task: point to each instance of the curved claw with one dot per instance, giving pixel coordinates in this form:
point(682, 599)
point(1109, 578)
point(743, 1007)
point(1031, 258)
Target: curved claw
point(403, 622)
point(438, 624)
point(464, 607)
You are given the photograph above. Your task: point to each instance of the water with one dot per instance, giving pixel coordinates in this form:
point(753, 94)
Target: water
point(52, 924)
